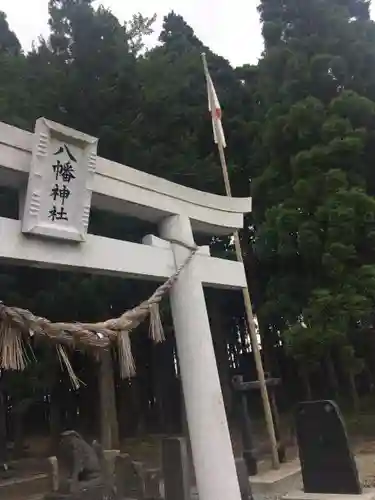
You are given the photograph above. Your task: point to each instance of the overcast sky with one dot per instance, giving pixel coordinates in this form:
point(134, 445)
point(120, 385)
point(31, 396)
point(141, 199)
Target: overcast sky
point(230, 29)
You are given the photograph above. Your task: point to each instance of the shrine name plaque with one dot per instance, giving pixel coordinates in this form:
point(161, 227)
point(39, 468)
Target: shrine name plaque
point(58, 198)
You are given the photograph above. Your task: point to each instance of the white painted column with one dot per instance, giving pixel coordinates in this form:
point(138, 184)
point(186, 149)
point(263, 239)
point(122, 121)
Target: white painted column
point(213, 457)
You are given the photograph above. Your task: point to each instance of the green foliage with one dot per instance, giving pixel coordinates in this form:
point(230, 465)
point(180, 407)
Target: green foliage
point(9, 43)
point(316, 217)
point(137, 29)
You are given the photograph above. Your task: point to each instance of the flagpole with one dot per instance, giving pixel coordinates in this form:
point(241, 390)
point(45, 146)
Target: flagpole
point(249, 311)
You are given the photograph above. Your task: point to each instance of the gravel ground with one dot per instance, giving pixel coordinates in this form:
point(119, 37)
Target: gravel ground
point(366, 469)
point(365, 459)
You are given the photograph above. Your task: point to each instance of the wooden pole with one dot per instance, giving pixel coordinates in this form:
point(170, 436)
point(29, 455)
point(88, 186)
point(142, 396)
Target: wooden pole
point(249, 311)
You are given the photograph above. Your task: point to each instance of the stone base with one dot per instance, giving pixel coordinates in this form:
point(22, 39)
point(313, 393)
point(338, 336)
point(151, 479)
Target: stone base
point(368, 494)
point(277, 482)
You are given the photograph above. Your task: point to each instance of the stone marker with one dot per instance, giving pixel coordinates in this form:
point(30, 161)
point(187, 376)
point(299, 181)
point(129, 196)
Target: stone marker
point(53, 473)
point(175, 464)
point(153, 484)
point(128, 478)
point(327, 462)
point(107, 462)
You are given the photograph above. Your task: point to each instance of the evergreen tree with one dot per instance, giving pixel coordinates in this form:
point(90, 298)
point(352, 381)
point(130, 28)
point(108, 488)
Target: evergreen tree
point(314, 208)
point(14, 96)
point(9, 43)
point(174, 125)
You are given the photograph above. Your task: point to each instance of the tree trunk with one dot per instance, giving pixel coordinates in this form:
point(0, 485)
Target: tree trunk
point(19, 434)
point(157, 378)
point(332, 377)
point(370, 380)
point(306, 383)
point(353, 391)
point(109, 436)
point(165, 384)
point(3, 430)
point(218, 331)
point(269, 352)
point(54, 420)
point(347, 358)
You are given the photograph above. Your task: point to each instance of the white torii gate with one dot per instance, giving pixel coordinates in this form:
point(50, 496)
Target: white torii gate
point(29, 162)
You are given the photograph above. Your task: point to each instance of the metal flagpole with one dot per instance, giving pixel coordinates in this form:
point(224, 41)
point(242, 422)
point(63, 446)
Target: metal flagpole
point(248, 307)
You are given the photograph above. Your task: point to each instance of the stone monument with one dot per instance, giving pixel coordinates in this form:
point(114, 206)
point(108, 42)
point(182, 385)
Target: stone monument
point(327, 462)
point(328, 465)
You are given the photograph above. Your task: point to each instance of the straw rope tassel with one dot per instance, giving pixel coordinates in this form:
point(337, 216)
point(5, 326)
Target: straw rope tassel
point(126, 360)
point(12, 351)
point(156, 330)
point(64, 360)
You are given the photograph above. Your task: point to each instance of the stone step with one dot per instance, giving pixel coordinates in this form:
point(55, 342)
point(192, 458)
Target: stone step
point(24, 488)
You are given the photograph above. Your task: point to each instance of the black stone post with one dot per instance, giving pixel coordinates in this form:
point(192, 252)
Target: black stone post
point(243, 479)
point(247, 439)
point(242, 388)
point(176, 464)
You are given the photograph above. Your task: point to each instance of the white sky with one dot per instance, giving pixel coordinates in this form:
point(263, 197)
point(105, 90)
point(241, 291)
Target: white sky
point(231, 29)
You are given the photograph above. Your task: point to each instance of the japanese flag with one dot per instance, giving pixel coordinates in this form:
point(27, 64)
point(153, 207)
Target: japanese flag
point(214, 108)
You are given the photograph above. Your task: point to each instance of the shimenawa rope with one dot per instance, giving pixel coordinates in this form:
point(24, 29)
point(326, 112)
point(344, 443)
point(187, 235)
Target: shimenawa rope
point(18, 325)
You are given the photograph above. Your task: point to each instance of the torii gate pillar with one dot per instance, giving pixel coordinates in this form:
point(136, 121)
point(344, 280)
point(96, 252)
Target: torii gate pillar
point(213, 457)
